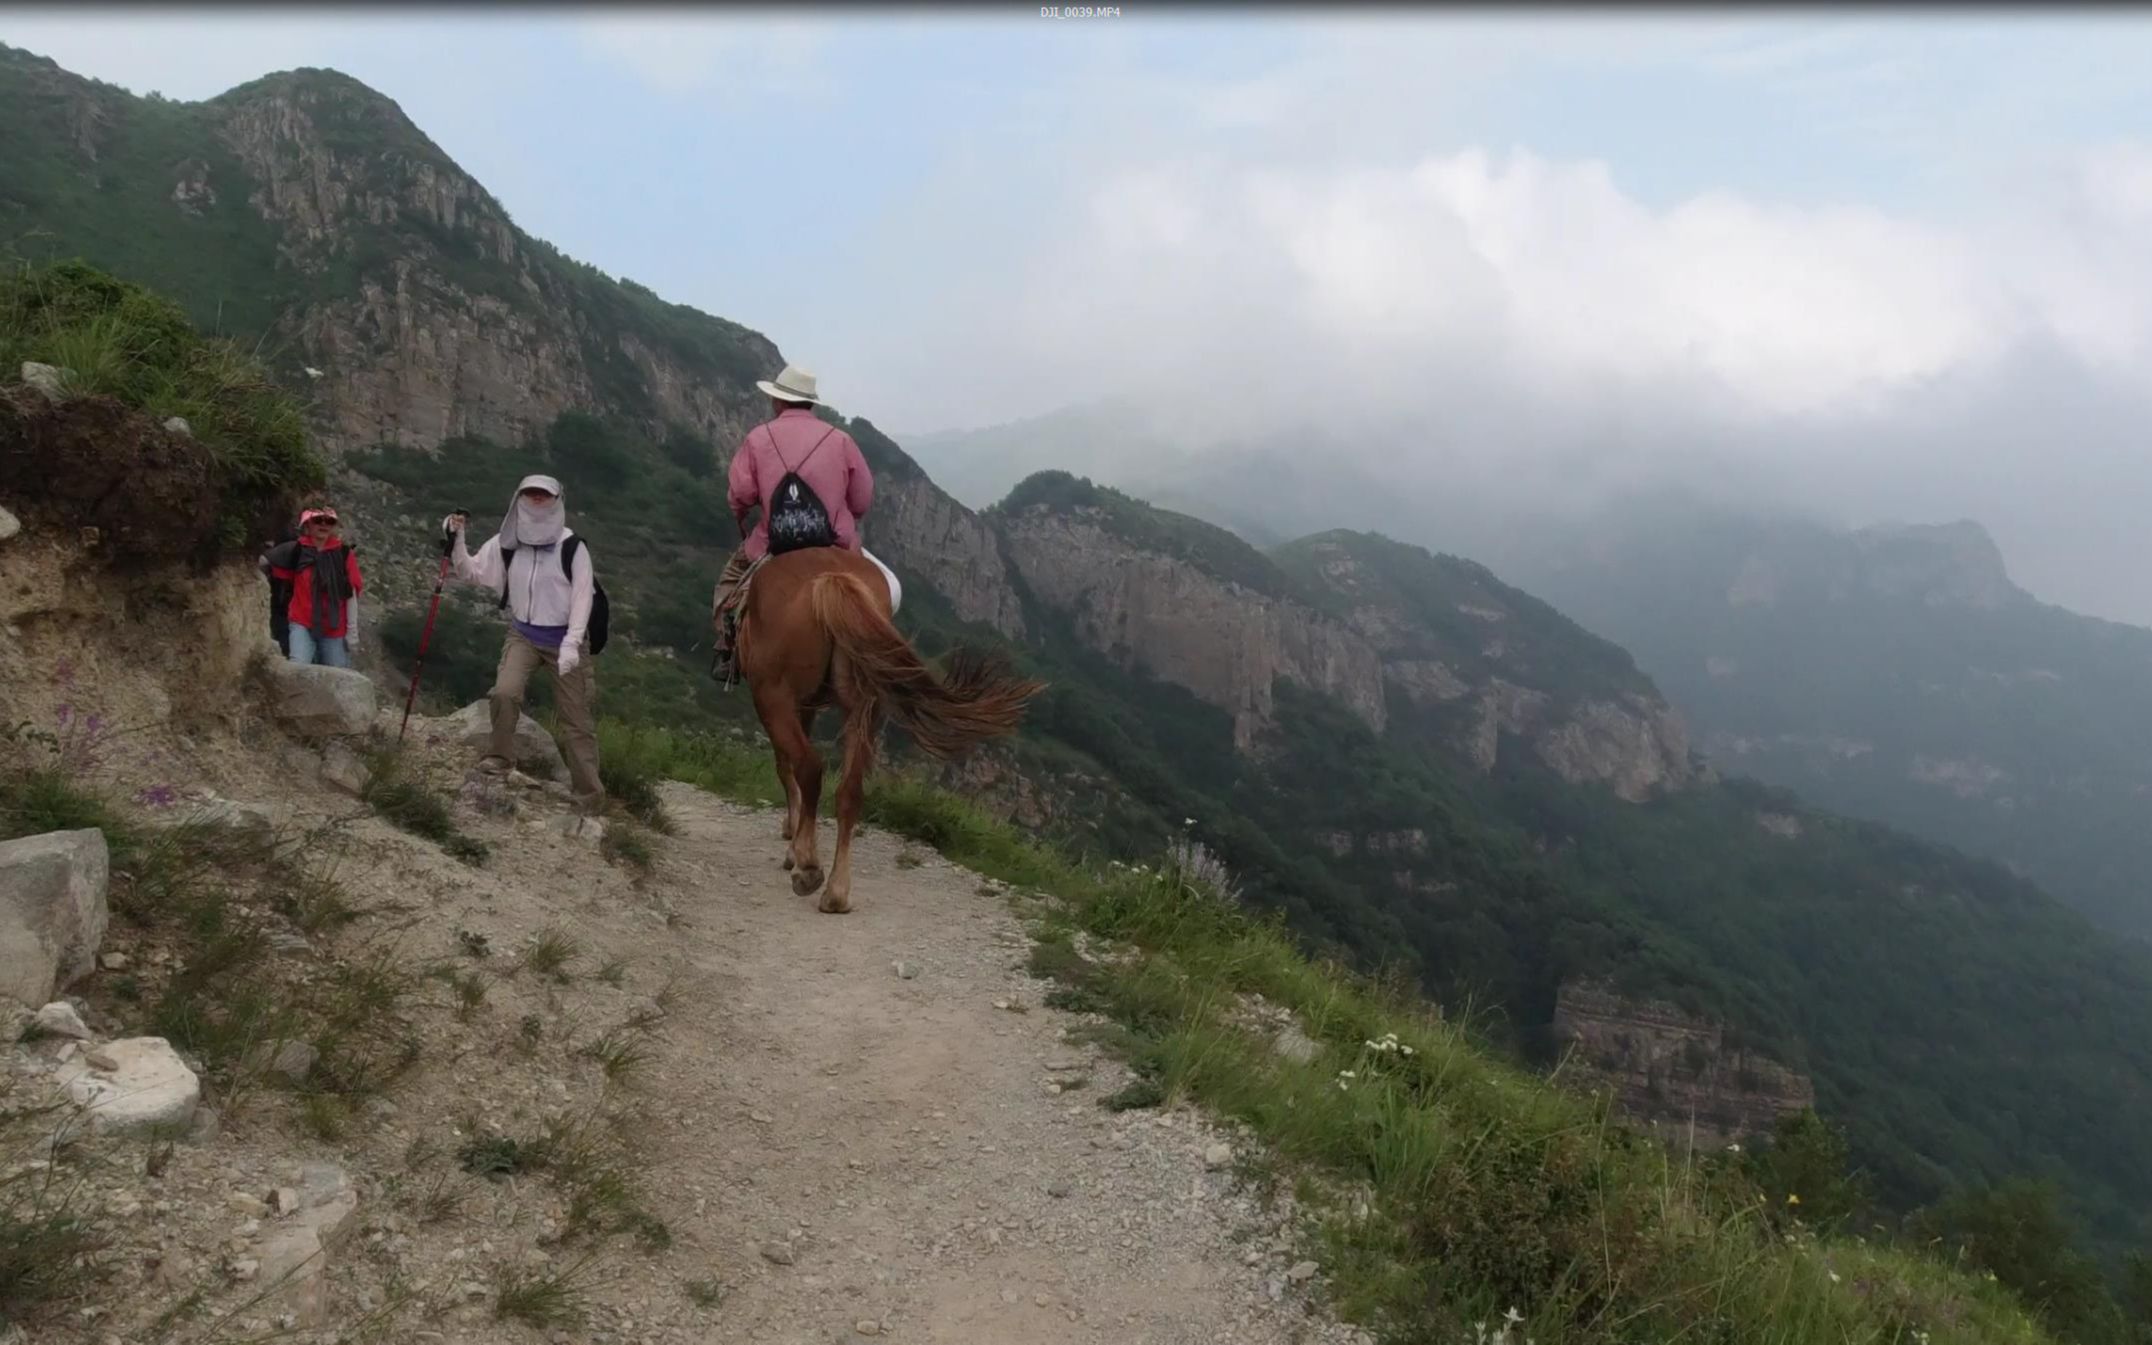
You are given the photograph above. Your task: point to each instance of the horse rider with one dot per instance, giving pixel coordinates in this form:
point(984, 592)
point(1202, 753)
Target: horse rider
point(810, 481)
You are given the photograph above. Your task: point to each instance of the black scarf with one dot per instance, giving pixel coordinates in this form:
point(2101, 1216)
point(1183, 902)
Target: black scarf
point(332, 578)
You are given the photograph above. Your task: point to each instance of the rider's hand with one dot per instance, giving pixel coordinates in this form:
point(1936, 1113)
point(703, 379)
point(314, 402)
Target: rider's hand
point(454, 523)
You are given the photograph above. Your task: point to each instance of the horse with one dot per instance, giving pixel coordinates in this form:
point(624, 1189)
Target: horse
point(815, 631)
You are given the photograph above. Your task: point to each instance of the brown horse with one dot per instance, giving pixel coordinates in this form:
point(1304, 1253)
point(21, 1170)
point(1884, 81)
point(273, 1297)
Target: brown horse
point(815, 631)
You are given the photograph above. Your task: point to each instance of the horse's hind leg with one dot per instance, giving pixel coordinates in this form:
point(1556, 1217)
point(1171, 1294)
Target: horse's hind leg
point(799, 767)
point(791, 784)
point(860, 728)
point(807, 773)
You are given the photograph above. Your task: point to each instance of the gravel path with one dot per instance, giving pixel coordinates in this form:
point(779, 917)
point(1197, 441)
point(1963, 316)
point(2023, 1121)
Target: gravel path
point(851, 1126)
point(911, 1144)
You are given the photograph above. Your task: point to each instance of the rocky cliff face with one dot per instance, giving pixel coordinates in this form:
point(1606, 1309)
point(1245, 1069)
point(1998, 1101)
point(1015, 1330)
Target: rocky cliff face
point(1673, 1071)
point(430, 314)
point(928, 537)
point(1485, 664)
point(1222, 640)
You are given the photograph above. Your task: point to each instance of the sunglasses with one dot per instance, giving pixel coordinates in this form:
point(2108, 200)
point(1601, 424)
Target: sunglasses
point(321, 523)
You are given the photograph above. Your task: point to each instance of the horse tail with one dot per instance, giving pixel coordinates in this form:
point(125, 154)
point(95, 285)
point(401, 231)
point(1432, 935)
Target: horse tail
point(974, 700)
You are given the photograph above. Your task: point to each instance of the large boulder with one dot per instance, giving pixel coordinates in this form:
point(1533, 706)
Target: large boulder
point(536, 752)
point(134, 1086)
point(331, 702)
point(52, 911)
point(9, 525)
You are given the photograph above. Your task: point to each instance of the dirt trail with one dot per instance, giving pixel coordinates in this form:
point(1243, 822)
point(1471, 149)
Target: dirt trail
point(906, 1127)
point(837, 1149)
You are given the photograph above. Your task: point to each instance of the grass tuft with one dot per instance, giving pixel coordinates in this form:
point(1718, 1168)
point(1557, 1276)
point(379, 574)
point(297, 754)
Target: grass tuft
point(551, 953)
point(547, 1299)
point(394, 790)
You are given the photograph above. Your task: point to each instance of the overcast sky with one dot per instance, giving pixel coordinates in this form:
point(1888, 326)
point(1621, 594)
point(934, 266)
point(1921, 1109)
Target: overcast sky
point(1892, 265)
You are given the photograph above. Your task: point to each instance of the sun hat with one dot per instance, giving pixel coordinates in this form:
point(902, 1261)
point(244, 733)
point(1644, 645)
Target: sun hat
point(793, 385)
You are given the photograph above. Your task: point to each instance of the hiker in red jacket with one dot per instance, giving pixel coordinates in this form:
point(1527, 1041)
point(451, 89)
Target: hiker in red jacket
point(322, 571)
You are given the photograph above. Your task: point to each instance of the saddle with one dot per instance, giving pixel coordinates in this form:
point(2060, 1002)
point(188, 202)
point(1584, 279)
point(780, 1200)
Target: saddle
point(727, 669)
point(725, 654)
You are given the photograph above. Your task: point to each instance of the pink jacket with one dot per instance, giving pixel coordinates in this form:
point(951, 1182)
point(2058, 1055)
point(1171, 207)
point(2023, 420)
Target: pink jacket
point(831, 466)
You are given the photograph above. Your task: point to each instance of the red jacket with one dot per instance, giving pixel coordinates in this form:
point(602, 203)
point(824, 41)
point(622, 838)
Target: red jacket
point(283, 566)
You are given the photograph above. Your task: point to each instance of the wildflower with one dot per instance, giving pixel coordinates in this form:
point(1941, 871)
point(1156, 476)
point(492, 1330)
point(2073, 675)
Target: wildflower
point(1834, 1277)
point(1733, 1148)
point(1792, 1199)
point(1512, 1317)
point(1188, 821)
point(1347, 1074)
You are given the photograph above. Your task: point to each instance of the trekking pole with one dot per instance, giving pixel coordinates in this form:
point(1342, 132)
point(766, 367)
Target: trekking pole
point(425, 637)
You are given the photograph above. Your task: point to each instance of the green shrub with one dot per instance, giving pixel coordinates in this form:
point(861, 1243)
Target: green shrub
point(247, 456)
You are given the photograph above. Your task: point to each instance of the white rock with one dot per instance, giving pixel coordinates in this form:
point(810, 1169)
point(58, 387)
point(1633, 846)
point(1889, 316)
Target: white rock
point(1218, 1156)
point(1302, 1272)
point(336, 702)
point(9, 525)
point(113, 961)
point(179, 425)
point(576, 827)
point(536, 752)
point(291, 1264)
point(254, 819)
point(52, 911)
point(1295, 1045)
point(342, 769)
point(45, 378)
point(326, 1201)
point(59, 1019)
point(150, 1090)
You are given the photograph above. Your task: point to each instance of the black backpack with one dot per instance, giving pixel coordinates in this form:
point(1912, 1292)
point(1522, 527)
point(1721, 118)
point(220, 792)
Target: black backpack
point(797, 517)
point(601, 610)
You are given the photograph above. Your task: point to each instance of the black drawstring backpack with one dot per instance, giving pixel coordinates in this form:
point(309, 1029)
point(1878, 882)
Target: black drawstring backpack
point(797, 516)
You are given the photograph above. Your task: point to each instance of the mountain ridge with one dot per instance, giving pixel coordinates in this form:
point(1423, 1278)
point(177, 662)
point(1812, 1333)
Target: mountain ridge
point(1827, 941)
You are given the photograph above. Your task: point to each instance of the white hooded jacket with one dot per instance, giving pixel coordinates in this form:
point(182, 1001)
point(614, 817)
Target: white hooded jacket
point(539, 593)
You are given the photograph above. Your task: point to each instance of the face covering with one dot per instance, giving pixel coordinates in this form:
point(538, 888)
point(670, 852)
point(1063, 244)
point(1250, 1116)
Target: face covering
point(530, 524)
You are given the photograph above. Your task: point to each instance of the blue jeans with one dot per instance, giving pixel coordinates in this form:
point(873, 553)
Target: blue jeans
point(306, 647)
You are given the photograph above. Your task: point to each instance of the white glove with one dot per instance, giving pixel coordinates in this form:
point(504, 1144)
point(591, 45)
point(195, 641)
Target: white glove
point(570, 655)
point(453, 523)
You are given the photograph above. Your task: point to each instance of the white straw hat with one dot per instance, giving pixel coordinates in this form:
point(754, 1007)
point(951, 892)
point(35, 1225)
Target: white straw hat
point(793, 385)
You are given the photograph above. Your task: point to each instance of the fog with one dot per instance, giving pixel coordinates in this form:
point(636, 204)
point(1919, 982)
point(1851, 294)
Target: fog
point(1514, 335)
point(1435, 272)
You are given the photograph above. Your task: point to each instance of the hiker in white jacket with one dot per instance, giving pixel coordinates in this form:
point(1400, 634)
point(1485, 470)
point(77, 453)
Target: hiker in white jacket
point(547, 583)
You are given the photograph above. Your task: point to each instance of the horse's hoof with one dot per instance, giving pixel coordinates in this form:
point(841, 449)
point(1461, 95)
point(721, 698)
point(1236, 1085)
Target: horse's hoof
point(806, 882)
point(833, 906)
point(788, 863)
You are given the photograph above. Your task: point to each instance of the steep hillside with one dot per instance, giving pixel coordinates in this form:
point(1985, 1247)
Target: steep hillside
point(305, 211)
point(1471, 661)
point(1895, 673)
point(1958, 1023)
